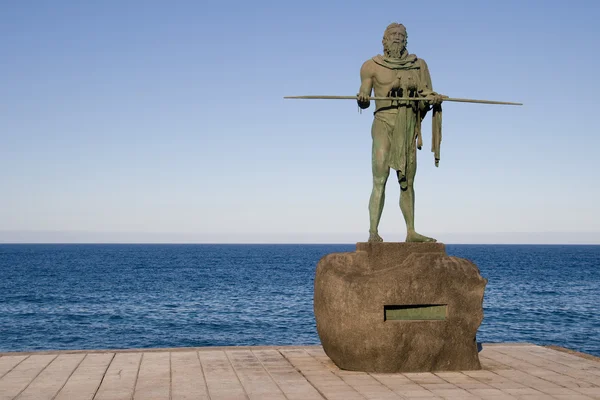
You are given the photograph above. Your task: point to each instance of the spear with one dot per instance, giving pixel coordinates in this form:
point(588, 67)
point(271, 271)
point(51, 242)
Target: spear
point(444, 98)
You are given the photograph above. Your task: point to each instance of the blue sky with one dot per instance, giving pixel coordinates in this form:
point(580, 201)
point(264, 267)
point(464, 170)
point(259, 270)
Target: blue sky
point(165, 121)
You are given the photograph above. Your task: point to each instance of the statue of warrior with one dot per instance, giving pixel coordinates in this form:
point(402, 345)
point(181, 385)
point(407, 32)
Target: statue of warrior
point(403, 96)
point(396, 129)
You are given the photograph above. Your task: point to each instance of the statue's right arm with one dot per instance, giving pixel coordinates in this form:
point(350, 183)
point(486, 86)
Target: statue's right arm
point(366, 85)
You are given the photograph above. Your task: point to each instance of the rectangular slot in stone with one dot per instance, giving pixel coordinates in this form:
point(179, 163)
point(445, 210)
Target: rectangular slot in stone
point(415, 312)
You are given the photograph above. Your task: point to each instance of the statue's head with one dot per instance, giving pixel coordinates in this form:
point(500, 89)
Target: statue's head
point(394, 40)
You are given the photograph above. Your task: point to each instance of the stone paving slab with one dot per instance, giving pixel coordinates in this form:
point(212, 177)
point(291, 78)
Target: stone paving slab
point(510, 371)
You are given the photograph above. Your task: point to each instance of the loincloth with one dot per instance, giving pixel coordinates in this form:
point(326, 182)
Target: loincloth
point(400, 128)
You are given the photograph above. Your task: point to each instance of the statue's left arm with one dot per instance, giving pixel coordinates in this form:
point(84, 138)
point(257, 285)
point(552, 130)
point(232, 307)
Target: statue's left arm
point(426, 89)
point(434, 101)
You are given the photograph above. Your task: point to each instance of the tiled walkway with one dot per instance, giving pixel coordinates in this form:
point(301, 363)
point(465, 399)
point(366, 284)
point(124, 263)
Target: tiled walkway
point(303, 373)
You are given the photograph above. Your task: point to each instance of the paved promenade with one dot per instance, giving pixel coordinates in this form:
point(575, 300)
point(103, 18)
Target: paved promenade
point(304, 373)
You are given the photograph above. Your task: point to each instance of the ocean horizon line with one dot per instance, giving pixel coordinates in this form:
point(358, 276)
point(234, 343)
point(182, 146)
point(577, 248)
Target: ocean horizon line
point(272, 244)
point(239, 238)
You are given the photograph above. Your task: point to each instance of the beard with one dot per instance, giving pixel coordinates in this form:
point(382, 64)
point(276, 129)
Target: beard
point(393, 50)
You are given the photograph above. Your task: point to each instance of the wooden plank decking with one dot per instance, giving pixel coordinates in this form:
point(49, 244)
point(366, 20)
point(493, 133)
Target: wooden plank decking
point(511, 371)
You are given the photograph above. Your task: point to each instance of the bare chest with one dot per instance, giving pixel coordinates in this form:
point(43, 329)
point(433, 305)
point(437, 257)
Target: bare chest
point(385, 78)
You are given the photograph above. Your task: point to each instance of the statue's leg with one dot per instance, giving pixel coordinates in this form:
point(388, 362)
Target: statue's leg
point(407, 197)
point(381, 171)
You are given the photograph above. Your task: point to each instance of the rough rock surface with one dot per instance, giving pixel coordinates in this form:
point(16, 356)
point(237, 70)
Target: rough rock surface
point(351, 290)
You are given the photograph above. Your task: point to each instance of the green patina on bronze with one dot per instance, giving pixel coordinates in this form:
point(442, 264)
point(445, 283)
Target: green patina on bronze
point(403, 95)
point(426, 312)
point(396, 129)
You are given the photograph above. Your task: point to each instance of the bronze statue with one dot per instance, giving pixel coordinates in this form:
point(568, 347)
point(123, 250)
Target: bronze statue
point(403, 96)
point(396, 129)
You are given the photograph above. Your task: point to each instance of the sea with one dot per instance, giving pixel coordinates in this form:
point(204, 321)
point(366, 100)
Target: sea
point(116, 296)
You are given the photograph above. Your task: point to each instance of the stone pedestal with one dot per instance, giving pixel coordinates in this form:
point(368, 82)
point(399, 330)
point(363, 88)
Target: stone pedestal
point(399, 307)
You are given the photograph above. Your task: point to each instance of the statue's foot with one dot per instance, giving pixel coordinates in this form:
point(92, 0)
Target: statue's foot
point(375, 238)
point(415, 237)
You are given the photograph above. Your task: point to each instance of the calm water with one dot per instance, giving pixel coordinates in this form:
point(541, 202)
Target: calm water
point(124, 296)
